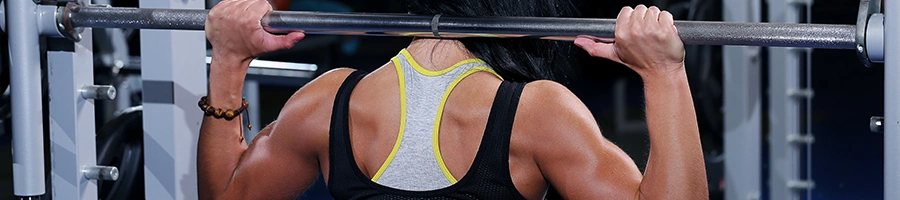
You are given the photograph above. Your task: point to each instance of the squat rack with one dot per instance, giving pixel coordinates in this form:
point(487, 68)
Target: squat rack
point(33, 21)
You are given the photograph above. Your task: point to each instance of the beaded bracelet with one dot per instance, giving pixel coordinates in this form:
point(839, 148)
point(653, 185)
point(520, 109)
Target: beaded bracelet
point(226, 114)
point(218, 112)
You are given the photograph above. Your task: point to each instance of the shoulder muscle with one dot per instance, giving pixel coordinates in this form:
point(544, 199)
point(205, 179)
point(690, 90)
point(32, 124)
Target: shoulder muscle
point(308, 111)
point(568, 147)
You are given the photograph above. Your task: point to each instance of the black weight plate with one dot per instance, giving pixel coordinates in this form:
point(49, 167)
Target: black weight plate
point(120, 144)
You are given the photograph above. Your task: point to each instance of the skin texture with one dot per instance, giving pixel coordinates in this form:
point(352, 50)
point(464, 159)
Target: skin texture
point(555, 140)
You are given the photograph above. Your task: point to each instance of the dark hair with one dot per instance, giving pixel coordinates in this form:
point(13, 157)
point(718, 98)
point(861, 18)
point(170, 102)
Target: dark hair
point(514, 59)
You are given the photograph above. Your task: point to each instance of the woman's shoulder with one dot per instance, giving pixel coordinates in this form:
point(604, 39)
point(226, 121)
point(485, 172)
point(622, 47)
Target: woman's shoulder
point(310, 106)
point(322, 88)
point(549, 107)
point(549, 95)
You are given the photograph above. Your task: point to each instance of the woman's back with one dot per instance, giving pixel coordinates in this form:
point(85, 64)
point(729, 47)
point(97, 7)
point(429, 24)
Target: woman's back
point(378, 110)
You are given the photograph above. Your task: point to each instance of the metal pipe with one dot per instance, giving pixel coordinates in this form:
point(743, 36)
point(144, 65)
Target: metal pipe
point(25, 88)
point(692, 32)
point(47, 21)
point(891, 101)
point(2, 16)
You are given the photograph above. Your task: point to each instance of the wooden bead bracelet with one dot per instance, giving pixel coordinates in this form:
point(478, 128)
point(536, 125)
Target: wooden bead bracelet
point(219, 113)
point(224, 114)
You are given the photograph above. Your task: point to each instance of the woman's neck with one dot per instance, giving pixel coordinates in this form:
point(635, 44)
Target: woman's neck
point(438, 54)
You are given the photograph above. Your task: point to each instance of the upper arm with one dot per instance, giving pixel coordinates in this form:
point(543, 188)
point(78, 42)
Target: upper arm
point(571, 152)
point(283, 159)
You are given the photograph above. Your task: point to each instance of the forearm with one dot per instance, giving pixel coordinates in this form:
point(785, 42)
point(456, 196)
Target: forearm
point(220, 146)
point(675, 167)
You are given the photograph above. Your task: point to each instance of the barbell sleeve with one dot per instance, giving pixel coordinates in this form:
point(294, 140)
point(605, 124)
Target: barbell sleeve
point(827, 36)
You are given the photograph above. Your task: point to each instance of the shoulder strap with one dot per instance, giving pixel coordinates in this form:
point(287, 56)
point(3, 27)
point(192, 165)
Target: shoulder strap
point(494, 150)
point(340, 154)
point(503, 110)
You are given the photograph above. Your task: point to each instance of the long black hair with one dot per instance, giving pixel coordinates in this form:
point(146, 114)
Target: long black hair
point(514, 59)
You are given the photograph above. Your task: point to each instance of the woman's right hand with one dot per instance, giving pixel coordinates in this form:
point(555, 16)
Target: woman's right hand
point(234, 30)
point(646, 41)
point(237, 37)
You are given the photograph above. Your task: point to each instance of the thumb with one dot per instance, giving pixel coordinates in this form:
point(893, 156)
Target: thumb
point(290, 39)
point(598, 49)
point(278, 42)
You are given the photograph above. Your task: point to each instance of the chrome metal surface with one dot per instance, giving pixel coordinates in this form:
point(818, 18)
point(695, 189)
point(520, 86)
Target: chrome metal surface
point(2, 16)
point(866, 9)
point(143, 18)
point(47, 20)
point(875, 38)
point(692, 32)
point(279, 69)
point(63, 23)
point(876, 124)
point(104, 92)
point(801, 139)
point(105, 173)
point(801, 184)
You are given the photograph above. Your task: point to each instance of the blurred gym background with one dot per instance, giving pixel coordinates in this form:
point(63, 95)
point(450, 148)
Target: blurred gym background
point(847, 158)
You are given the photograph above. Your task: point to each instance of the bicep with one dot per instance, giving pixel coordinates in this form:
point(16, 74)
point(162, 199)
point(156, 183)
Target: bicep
point(272, 167)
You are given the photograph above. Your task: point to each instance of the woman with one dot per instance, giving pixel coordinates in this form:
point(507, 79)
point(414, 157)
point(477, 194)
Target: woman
point(439, 122)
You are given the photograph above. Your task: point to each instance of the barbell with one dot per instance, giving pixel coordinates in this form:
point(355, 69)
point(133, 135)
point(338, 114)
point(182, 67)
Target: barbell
point(67, 21)
point(691, 32)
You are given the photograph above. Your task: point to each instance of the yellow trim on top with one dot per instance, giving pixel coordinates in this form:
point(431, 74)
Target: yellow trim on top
point(437, 120)
point(390, 157)
point(427, 72)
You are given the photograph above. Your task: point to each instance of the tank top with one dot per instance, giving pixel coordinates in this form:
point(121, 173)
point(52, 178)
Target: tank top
point(414, 169)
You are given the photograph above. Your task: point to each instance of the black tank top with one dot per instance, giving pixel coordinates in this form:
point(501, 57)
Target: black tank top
point(487, 178)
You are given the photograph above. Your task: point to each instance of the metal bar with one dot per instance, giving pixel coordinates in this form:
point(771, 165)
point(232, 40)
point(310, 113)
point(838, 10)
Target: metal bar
point(171, 88)
point(742, 108)
point(278, 69)
point(251, 93)
point(692, 32)
point(891, 100)
point(784, 110)
point(2, 16)
point(25, 86)
point(72, 128)
point(47, 21)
